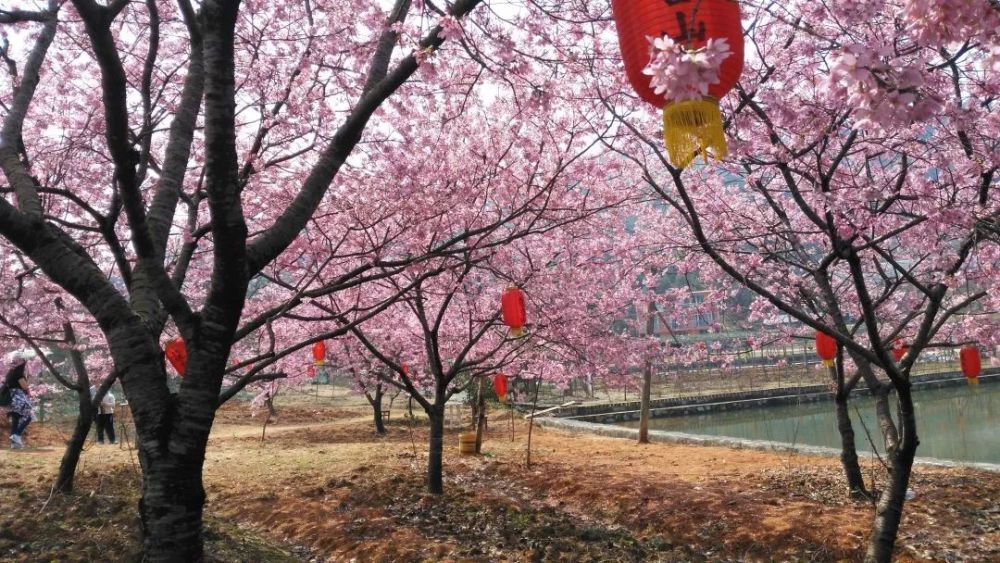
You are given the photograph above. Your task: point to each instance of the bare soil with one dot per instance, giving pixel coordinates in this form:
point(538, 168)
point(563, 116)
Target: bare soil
point(324, 487)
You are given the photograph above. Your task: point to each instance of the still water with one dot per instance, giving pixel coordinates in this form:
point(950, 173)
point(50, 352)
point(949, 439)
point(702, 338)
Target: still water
point(957, 423)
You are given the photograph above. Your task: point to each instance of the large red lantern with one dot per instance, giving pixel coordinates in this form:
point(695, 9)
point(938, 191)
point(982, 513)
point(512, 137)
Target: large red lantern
point(500, 386)
point(319, 353)
point(972, 364)
point(690, 126)
point(826, 348)
point(512, 309)
point(899, 350)
point(177, 355)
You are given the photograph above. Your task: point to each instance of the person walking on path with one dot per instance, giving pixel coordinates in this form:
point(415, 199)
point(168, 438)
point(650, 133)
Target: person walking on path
point(19, 410)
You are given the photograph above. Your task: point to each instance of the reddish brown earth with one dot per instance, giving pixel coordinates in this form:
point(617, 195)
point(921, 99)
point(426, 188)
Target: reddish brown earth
point(324, 487)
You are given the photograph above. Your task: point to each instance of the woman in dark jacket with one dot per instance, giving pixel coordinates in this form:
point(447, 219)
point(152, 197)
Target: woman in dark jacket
point(20, 405)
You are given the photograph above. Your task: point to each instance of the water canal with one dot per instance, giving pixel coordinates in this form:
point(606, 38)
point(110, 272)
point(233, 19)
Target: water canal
point(955, 423)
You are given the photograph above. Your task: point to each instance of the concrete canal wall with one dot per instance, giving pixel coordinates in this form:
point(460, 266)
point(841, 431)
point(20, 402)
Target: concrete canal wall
point(662, 436)
point(609, 413)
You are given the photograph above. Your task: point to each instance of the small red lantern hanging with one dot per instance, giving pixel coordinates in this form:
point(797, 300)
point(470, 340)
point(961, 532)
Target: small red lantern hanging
point(319, 353)
point(512, 309)
point(405, 369)
point(689, 126)
point(500, 386)
point(972, 364)
point(826, 348)
point(177, 355)
point(899, 350)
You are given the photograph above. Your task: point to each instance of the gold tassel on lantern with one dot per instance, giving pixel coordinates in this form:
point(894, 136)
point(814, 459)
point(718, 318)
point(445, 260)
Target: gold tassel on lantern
point(691, 128)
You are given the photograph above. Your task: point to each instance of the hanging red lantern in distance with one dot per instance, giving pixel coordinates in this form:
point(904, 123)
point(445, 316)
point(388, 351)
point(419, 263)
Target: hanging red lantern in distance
point(690, 127)
point(500, 386)
point(826, 348)
point(972, 363)
point(319, 353)
point(899, 350)
point(177, 355)
point(512, 310)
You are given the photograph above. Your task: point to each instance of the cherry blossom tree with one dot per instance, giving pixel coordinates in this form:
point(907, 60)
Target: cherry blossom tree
point(158, 64)
point(34, 316)
point(859, 197)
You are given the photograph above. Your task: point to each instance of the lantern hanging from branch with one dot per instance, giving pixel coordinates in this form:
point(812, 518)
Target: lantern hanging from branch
point(512, 310)
point(972, 364)
point(500, 386)
point(177, 355)
point(826, 348)
point(319, 353)
point(703, 39)
point(899, 350)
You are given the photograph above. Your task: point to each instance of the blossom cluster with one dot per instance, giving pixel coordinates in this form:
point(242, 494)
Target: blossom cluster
point(882, 92)
point(679, 74)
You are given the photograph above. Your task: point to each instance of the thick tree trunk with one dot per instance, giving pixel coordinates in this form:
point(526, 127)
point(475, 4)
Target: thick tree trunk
point(890, 507)
point(647, 380)
point(71, 457)
point(171, 511)
point(435, 451)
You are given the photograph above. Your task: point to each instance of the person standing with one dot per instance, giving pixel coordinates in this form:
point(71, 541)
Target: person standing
point(106, 418)
point(19, 411)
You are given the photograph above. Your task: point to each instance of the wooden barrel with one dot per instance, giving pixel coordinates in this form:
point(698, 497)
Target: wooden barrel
point(467, 443)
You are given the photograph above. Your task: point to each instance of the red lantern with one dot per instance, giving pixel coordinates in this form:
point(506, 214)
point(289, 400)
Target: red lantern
point(972, 364)
point(405, 369)
point(500, 386)
point(900, 350)
point(319, 353)
point(311, 371)
point(512, 308)
point(177, 355)
point(826, 348)
point(691, 126)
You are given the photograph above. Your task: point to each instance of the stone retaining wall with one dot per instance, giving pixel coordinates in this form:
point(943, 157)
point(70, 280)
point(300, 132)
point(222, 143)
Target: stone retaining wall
point(607, 413)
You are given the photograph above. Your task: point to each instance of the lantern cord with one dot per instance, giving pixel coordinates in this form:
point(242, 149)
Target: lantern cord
point(691, 128)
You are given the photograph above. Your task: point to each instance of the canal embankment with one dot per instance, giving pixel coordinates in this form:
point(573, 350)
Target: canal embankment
point(617, 412)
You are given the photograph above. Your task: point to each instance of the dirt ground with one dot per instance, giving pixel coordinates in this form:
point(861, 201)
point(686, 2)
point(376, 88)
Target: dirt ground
point(324, 487)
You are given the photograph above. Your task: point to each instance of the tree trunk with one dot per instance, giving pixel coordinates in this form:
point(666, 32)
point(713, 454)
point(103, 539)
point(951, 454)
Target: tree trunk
point(171, 511)
point(71, 457)
point(435, 484)
point(376, 402)
point(890, 507)
point(848, 450)
point(647, 379)
point(531, 424)
point(480, 416)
